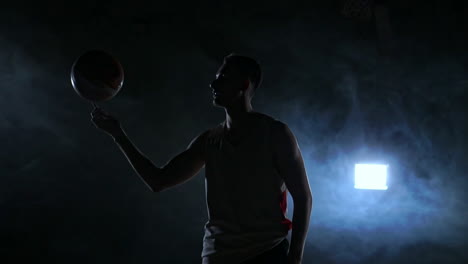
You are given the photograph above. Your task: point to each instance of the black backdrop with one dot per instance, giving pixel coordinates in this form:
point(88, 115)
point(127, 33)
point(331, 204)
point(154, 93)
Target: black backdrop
point(390, 88)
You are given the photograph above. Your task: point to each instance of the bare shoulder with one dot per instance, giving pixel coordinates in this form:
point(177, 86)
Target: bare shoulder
point(281, 131)
point(283, 140)
point(199, 140)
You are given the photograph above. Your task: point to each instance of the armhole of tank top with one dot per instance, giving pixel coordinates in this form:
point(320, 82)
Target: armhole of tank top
point(270, 141)
point(205, 145)
point(212, 139)
point(270, 147)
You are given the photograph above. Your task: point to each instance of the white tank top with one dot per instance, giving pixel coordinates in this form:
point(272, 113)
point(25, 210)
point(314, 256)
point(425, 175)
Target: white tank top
point(245, 195)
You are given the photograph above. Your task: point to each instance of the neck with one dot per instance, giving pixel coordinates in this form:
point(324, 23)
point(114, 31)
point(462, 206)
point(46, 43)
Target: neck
point(236, 116)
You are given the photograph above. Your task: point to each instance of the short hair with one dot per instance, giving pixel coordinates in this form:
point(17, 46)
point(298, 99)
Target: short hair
point(247, 66)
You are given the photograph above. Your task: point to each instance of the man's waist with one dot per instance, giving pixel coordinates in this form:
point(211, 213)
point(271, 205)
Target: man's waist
point(228, 246)
point(228, 230)
point(246, 225)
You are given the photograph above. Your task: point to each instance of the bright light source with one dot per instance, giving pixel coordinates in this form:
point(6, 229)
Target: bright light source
point(370, 176)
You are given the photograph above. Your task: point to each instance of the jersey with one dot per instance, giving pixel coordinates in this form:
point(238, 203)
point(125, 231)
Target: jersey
point(245, 195)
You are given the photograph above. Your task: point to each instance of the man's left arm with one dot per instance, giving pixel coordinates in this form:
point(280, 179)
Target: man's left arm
point(290, 165)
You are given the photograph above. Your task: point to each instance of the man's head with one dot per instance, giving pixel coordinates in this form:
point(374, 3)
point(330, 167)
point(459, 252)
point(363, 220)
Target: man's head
point(236, 80)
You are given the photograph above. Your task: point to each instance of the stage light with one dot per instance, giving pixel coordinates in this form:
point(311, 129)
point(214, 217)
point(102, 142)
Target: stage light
point(370, 176)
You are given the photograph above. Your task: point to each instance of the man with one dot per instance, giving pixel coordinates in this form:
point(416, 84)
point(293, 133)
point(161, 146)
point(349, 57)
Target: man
point(250, 161)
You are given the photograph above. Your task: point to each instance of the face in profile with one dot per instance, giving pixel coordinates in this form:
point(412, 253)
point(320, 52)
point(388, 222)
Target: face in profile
point(228, 86)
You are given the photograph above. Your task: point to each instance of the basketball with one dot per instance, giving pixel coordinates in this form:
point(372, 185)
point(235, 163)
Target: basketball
point(97, 76)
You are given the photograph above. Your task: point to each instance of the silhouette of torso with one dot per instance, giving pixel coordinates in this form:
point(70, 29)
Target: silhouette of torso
point(246, 197)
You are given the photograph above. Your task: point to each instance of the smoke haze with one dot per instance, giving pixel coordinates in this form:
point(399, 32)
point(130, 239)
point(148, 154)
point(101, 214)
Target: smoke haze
point(67, 193)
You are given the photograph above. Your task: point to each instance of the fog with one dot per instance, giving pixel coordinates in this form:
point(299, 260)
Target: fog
point(67, 193)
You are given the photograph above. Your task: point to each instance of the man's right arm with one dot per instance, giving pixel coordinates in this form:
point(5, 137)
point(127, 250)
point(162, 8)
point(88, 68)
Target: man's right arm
point(178, 170)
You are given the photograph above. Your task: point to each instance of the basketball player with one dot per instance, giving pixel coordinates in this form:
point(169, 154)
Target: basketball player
point(251, 160)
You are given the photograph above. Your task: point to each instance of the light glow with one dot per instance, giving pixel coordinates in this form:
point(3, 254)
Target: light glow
point(370, 176)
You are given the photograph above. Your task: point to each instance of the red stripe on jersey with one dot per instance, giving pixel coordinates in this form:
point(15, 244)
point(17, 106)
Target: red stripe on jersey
point(284, 205)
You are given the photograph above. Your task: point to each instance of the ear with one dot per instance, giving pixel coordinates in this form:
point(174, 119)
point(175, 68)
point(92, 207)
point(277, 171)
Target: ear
point(246, 84)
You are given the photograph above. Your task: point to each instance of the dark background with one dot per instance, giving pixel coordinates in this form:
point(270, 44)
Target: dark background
point(354, 86)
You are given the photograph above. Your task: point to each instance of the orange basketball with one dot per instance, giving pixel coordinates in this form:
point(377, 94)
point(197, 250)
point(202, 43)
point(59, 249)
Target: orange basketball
point(97, 76)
